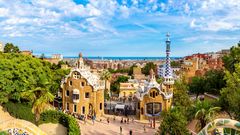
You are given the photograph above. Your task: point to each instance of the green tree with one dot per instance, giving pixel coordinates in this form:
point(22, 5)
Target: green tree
point(233, 58)
point(10, 48)
point(204, 113)
point(39, 96)
point(106, 75)
point(17, 69)
point(230, 95)
point(173, 123)
point(214, 81)
point(197, 86)
point(175, 64)
point(148, 67)
point(130, 71)
point(115, 86)
point(180, 95)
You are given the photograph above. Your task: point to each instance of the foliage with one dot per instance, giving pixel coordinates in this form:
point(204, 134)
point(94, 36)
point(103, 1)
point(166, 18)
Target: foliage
point(125, 70)
point(19, 73)
point(115, 86)
point(148, 67)
point(233, 58)
point(39, 96)
point(197, 86)
point(175, 64)
point(204, 113)
point(106, 75)
point(173, 123)
point(214, 81)
point(130, 72)
point(10, 48)
point(58, 117)
point(230, 95)
point(180, 95)
point(19, 110)
point(3, 133)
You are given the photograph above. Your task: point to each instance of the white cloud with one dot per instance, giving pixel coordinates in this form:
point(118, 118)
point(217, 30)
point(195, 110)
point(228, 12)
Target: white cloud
point(219, 15)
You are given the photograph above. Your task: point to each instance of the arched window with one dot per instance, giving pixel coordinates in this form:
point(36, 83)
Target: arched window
point(153, 94)
point(76, 75)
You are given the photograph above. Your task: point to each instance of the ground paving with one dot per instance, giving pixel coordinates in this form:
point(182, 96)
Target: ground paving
point(113, 128)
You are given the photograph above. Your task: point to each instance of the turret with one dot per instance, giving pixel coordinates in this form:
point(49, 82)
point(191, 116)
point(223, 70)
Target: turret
point(168, 78)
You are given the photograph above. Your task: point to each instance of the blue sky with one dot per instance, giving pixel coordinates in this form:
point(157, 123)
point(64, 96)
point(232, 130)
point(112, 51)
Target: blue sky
point(120, 27)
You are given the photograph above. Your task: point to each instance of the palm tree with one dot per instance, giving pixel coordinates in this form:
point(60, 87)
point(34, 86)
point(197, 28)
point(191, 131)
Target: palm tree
point(40, 98)
point(106, 75)
point(204, 113)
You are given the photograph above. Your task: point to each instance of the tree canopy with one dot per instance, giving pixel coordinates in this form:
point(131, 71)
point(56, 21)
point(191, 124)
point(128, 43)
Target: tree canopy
point(148, 67)
point(230, 95)
point(233, 58)
point(173, 123)
point(10, 48)
point(197, 85)
point(19, 73)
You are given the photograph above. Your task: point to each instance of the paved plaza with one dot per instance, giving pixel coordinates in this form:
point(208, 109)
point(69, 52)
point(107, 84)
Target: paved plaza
point(113, 128)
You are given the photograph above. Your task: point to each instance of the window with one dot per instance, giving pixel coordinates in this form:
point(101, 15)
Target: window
point(153, 108)
point(67, 93)
point(82, 84)
point(87, 95)
point(138, 105)
point(76, 75)
point(100, 106)
point(70, 83)
point(75, 108)
point(75, 96)
point(153, 94)
point(67, 106)
point(150, 94)
point(83, 110)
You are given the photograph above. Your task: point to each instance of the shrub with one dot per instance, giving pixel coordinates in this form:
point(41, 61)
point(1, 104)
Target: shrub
point(20, 110)
point(58, 117)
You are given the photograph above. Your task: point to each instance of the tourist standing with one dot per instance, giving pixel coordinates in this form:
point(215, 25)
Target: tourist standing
point(108, 120)
point(130, 132)
point(144, 128)
point(120, 130)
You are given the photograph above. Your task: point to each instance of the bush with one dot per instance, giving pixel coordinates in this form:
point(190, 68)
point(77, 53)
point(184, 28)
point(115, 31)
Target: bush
point(58, 117)
point(20, 110)
point(24, 111)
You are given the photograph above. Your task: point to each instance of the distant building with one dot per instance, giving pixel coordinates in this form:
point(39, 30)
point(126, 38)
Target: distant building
point(54, 59)
point(26, 52)
point(1, 47)
point(83, 91)
point(57, 56)
point(137, 73)
point(127, 89)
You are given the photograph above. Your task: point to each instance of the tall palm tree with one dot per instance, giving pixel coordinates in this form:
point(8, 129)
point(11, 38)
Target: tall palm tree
point(204, 113)
point(40, 98)
point(106, 75)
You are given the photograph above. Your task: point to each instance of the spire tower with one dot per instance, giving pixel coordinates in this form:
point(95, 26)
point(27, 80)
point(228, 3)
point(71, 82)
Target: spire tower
point(168, 79)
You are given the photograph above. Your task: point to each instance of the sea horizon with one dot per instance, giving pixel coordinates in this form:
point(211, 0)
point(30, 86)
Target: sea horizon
point(121, 58)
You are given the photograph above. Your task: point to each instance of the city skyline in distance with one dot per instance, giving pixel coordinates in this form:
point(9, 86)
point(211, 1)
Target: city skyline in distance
point(120, 27)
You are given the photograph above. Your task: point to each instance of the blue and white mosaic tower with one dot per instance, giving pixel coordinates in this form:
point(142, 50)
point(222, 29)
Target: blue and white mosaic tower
point(168, 75)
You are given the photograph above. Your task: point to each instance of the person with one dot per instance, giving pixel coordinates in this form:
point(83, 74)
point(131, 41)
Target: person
point(122, 120)
point(132, 120)
point(108, 120)
point(127, 120)
point(130, 132)
point(114, 118)
point(144, 128)
point(93, 120)
point(120, 130)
